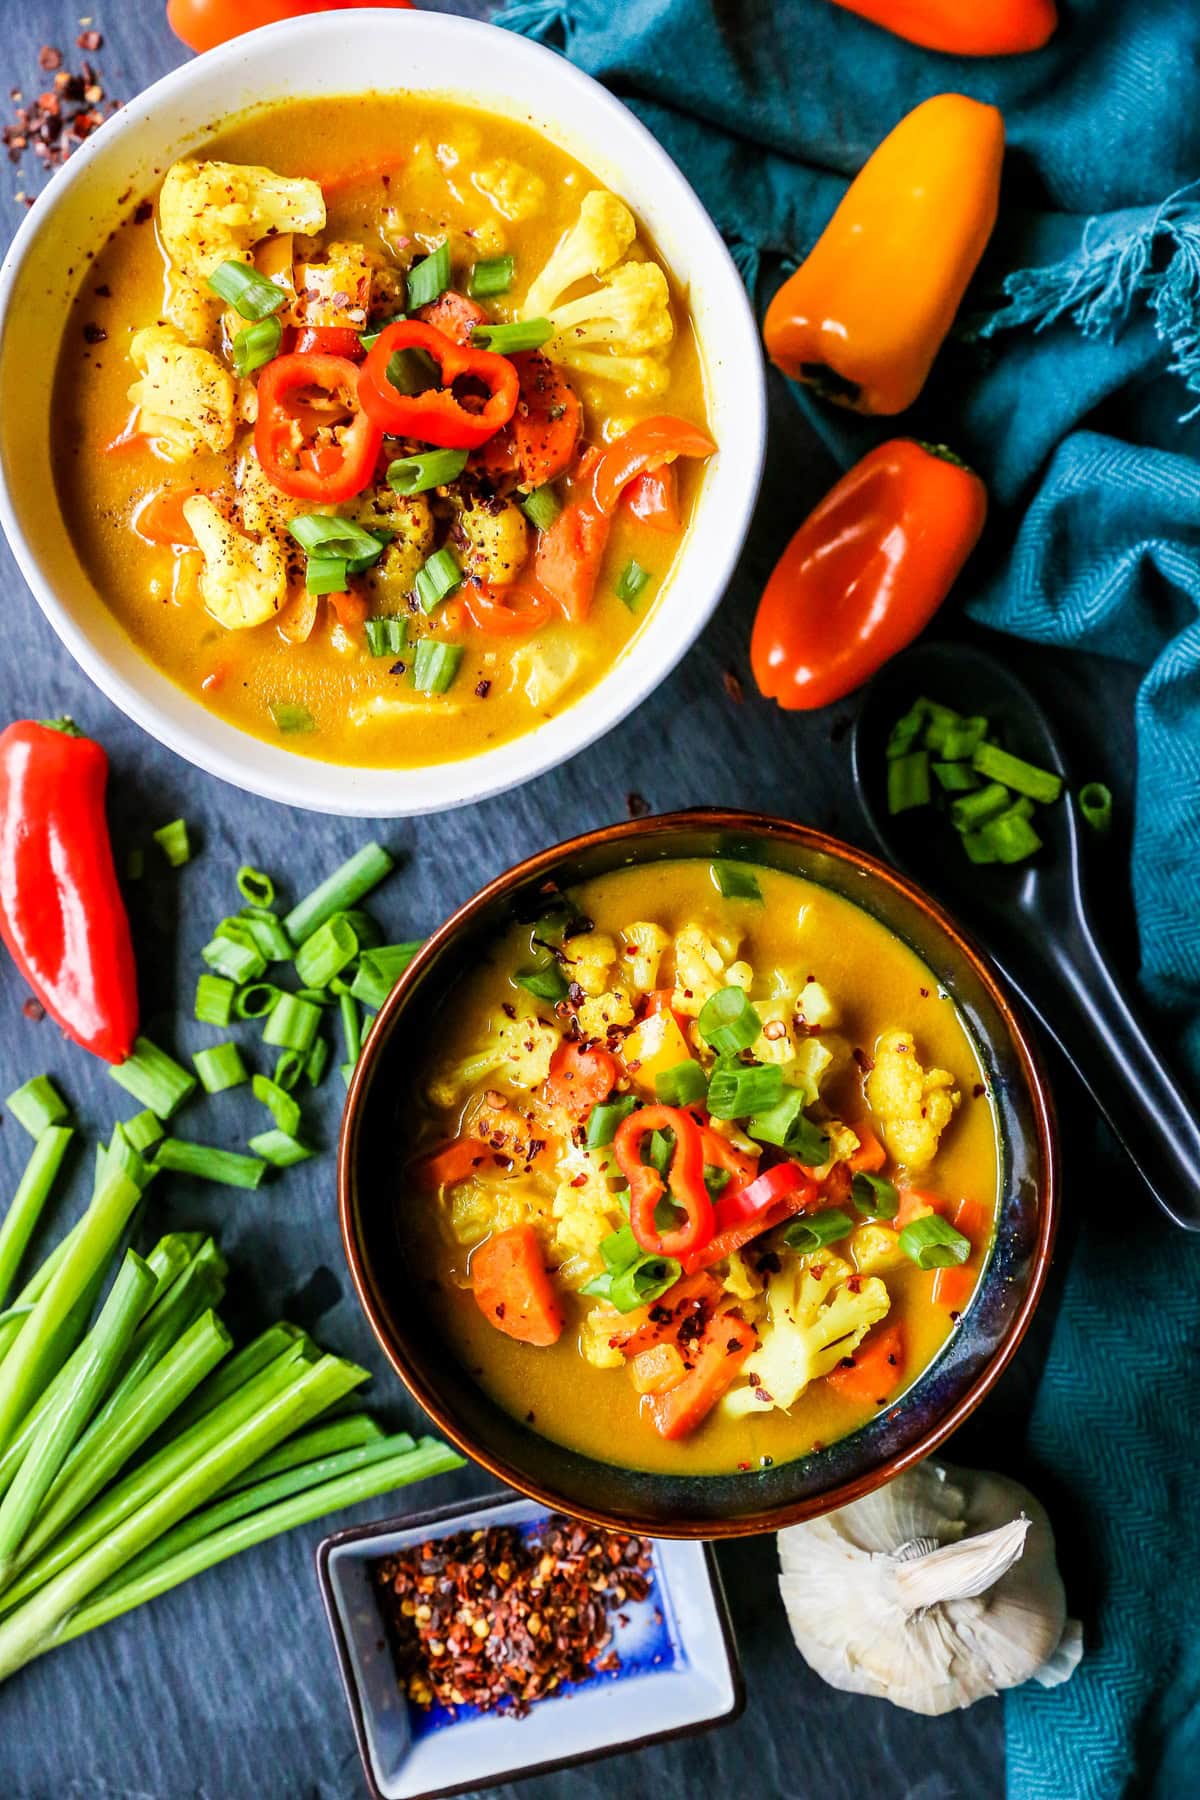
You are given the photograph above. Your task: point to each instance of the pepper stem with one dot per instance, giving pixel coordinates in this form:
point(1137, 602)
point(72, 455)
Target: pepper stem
point(68, 727)
point(944, 454)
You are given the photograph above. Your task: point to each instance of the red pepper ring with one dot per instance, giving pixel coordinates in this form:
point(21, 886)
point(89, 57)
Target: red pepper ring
point(439, 415)
point(290, 414)
point(647, 1187)
point(738, 1204)
point(508, 611)
point(646, 446)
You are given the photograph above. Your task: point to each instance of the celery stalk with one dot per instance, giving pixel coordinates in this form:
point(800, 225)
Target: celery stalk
point(35, 1627)
point(33, 1191)
point(163, 1467)
point(428, 1459)
point(325, 1439)
point(100, 1354)
point(21, 1373)
point(94, 1461)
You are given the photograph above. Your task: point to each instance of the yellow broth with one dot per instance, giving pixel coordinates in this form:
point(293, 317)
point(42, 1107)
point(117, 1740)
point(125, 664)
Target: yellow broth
point(878, 984)
point(242, 674)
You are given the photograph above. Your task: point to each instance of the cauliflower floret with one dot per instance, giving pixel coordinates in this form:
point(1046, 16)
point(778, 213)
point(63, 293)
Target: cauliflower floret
point(644, 944)
point(595, 1337)
point(192, 309)
point(599, 238)
point(336, 292)
point(261, 505)
point(185, 397)
point(244, 581)
point(815, 1005)
point(545, 667)
point(585, 1215)
point(843, 1142)
point(518, 1050)
point(590, 958)
point(392, 578)
point(478, 1208)
point(914, 1105)
point(875, 1249)
point(819, 1311)
point(743, 1282)
point(701, 968)
point(598, 1014)
point(497, 542)
point(808, 1067)
point(515, 191)
point(617, 327)
point(215, 212)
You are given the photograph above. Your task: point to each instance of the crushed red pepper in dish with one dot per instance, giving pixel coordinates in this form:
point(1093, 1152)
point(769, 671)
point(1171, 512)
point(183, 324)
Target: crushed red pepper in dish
point(502, 1618)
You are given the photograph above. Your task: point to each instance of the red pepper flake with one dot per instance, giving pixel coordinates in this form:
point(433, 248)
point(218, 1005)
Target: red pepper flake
point(637, 806)
point(94, 334)
point(60, 117)
point(49, 58)
point(34, 1011)
point(482, 689)
point(90, 41)
point(733, 687)
point(500, 1618)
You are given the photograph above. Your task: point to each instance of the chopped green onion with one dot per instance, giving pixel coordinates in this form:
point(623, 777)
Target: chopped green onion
point(1012, 837)
point(955, 777)
point(37, 1105)
point(208, 1163)
point(956, 742)
point(220, 1067)
point(248, 292)
point(256, 346)
point(996, 764)
point(816, 1230)
point(143, 1130)
point(386, 636)
point(632, 1277)
point(630, 583)
point(906, 731)
point(292, 1024)
point(339, 891)
point(154, 1078)
point(430, 277)
point(932, 1243)
point(435, 665)
point(510, 340)
point(272, 940)
point(735, 1090)
point(351, 1028)
point(542, 506)
point(437, 578)
point(908, 781)
point(735, 882)
point(409, 475)
point(278, 1102)
point(379, 970)
point(172, 840)
point(256, 1000)
point(785, 1125)
point(289, 1067)
point(546, 983)
point(318, 1057)
point(326, 952)
point(1096, 805)
point(348, 1072)
point(29, 1201)
point(214, 1000)
point(279, 1149)
point(255, 886)
point(324, 534)
point(494, 275)
point(681, 1085)
point(326, 575)
point(728, 1023)
point(369, 339)
point(234, 952)
point(978, 846)
point(874, 1197)
point(289, 718)
point(605, 1117)
point(412, 372)
point(974, 810)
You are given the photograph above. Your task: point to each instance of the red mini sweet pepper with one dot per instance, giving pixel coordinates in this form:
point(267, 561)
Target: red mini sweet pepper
point(61, 911)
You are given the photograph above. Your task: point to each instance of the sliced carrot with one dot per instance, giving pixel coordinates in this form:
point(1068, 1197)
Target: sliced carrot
point(453, 1162)
point(351, 609)
point(216, 678)
point(952, 1288)
point(875, 1368)
point(726, 1344)
point(870, 1156)
point(454, 315)
point(568, 559)
point(513, 1290)
point(296, 621)
point(128, 440)
point(694, 1296)
point(548, 421)
point(974, 1221)
point(579, 1079)
point(160, 518)
point(496, 460)
point(359, 173)
point(916, 1204)
point(654, 498)
point(655, 1370)
point(512, 611)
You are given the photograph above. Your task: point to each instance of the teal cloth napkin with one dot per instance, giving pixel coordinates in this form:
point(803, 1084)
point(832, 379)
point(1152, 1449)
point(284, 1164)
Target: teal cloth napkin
point(1066, 385)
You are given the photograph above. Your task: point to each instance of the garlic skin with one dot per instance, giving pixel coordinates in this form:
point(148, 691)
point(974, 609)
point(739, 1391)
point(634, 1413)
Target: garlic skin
point(933, 1592)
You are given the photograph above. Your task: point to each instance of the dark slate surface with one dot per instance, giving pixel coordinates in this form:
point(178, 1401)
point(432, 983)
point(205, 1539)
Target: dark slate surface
point(227, 1689)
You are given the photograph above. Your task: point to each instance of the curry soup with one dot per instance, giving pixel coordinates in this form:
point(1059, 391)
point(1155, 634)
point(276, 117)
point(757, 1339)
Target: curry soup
point(789, 1072)
point(448, 616)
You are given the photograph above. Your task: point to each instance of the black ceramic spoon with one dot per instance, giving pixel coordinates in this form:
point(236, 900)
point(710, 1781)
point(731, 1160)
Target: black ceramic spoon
point(1034, 917)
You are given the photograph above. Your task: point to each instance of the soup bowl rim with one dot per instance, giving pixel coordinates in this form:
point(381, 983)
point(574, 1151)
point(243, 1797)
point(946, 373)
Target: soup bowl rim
point(586, 119)
point(748, 825)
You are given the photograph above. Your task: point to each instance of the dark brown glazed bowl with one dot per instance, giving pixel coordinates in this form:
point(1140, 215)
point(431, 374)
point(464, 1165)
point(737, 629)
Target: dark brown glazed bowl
point(711, 1506)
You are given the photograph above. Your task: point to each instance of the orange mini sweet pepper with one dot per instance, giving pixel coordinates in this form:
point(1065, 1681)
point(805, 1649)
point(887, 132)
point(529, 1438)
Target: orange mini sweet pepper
point(864, 315)
point(964, 27)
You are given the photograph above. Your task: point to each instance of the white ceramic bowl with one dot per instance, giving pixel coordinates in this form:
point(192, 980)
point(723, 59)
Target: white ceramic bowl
point(347, 53)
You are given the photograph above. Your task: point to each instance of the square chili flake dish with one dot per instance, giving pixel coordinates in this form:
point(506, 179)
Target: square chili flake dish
point(668, 1668)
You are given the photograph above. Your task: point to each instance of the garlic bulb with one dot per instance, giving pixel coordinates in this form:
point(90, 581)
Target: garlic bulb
point(936, 1591)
